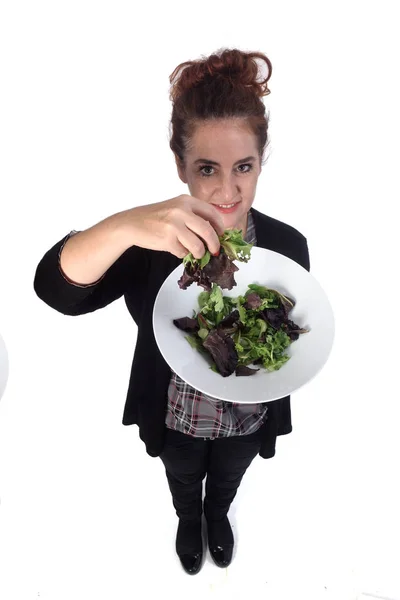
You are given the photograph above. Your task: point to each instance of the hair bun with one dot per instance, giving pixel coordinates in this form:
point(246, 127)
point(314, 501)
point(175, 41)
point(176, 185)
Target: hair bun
point(238, 67)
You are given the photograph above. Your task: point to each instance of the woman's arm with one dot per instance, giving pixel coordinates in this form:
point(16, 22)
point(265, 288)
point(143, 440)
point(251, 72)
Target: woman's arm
point(92, 268)
point(89, 254)
point(304, 255)
point(63, 284)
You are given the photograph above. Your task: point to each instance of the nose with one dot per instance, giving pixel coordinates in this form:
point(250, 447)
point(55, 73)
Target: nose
point(227, 191)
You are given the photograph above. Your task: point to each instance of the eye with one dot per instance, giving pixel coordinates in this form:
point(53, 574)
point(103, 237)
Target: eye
point(205, 174)
point(250, 168)
point(246, 165)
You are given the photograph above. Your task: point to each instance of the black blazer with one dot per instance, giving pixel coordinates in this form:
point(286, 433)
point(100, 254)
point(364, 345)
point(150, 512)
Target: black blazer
point(138, 275)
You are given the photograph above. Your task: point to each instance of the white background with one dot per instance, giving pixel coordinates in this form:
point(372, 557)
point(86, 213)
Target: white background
point(84, 117)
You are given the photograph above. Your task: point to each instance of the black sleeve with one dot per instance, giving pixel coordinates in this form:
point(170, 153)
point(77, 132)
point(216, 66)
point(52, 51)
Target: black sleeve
point(304, 255)
point(68, 298)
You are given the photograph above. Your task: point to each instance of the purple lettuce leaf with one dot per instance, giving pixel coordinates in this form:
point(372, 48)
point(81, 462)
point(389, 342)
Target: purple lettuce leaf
point(220, 270)
point(222, 348)
point(243, 371)
point(192, 274)
point(187, 324)
point(278, 319)
point(274, 316)
point(287, 304)
point(293, 330)
point(231, 319)
point(217, 269)
point(253, 301)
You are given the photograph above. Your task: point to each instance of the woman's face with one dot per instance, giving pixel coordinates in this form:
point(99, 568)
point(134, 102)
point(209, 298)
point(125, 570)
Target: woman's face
point(219, 171)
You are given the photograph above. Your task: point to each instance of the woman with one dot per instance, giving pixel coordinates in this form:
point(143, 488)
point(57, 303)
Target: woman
point(219, 136)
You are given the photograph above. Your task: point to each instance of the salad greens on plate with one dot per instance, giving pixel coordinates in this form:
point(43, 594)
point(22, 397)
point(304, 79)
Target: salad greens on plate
point(234, 333)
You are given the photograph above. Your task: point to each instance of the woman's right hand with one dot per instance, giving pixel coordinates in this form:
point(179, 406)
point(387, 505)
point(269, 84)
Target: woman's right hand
point(179, 226)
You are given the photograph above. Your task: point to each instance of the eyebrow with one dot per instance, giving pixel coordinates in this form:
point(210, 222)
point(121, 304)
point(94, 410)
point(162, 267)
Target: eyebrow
point(212, 162)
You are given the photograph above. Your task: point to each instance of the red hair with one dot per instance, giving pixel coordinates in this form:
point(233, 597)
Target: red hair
point(221, 86)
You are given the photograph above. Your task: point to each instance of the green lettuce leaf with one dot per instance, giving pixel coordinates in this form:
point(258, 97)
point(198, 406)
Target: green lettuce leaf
point(235, 246)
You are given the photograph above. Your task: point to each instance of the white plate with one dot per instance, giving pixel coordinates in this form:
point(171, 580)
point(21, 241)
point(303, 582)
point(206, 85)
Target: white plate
point(3, 366)
point(308, 354)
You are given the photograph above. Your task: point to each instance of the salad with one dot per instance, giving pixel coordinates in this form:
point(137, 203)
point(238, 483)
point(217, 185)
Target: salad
point(234, 333)
point(237, 332)
point(217, 269)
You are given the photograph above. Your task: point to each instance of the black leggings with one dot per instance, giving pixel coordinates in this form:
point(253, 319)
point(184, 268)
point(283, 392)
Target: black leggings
point(224, 460)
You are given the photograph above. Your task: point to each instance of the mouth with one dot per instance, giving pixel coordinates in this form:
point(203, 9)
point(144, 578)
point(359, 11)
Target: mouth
point(227, 208)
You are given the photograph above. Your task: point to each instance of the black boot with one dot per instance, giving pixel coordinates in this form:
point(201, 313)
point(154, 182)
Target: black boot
point(220, 541)
point(189, 545)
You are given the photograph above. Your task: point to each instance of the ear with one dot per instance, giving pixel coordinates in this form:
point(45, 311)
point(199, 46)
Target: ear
point(181, 169)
